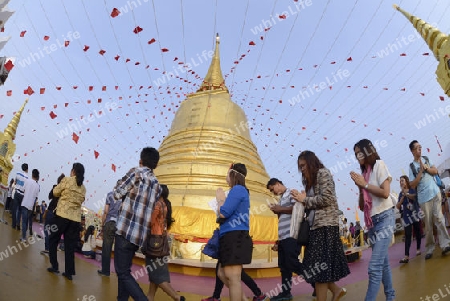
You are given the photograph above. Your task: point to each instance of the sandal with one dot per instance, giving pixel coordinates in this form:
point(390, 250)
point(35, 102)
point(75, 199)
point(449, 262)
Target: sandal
point(404, 260)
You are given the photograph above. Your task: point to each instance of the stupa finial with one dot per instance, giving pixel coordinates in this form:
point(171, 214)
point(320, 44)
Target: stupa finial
point(214, 79)
point(12, 126)
point(432, 36)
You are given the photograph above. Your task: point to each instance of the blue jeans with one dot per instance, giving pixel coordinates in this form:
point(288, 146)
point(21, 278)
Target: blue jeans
point(109, 230)
point(15, 209)
point(25, 214)
point(123, 259)
point(380, 237)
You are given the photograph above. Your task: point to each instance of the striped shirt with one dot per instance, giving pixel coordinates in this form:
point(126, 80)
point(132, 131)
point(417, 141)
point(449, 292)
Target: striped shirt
point(20, 181)
point(284, 220)
point(142, 190)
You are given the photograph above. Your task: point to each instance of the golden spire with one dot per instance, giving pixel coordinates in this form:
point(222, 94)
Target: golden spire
point(12, 126)
point(432, 36)
point(214, 78)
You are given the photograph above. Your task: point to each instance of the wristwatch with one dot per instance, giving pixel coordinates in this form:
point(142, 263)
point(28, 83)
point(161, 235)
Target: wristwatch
point(367, 186)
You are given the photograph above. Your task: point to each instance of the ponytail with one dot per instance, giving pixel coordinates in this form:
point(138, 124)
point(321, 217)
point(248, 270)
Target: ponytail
point(78, 169)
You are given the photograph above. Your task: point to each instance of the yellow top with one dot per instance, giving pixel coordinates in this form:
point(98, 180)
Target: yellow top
point(71, 196)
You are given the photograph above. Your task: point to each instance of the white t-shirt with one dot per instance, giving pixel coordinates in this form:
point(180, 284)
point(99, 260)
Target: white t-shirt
point(31, 190)
point(379, 174)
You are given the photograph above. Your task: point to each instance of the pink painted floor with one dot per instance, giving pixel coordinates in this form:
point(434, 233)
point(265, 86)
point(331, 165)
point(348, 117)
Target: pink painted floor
point(204, 286)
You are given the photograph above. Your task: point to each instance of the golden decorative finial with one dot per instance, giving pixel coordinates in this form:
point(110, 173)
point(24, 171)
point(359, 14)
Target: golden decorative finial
point(12, 126)
point(214, 79)
point(430, 34)
point(438, 43)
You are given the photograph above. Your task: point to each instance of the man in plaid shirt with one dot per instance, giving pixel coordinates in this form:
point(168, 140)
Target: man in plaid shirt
point(141, 189)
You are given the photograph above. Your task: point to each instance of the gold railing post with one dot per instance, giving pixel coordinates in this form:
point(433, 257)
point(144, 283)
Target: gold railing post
point(269, 250)
point(202, 256)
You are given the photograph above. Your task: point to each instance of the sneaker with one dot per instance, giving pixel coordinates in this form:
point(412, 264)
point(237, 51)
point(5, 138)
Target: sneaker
point(44, 252)
point(418, 253)
point(102, 274)
point(211, 299)
point(428, 256)
point(282, 297)
point(261, 297)
point(446, 250)
point(182, 298)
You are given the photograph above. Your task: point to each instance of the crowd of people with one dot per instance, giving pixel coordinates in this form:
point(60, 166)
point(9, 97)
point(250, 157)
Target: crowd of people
point(138, 210)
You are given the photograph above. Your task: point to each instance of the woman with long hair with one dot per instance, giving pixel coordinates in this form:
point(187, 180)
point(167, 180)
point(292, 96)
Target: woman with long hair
point(157, 268)
point(89, 244)
point(374, 186)
point(71, 193)
point(410, 208)
point(324, 245)
point(235, 243)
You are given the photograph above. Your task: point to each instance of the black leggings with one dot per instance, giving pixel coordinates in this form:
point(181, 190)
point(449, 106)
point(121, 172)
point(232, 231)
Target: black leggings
point(408, 236)
point(249, 282)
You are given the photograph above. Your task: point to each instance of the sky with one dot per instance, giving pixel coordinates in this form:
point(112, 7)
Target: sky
point(312, 75)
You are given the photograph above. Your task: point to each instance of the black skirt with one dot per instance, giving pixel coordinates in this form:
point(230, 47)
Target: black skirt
point(325, 260)
point(235, 248)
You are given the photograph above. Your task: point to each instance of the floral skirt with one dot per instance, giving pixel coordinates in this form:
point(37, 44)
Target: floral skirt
point(325, 260)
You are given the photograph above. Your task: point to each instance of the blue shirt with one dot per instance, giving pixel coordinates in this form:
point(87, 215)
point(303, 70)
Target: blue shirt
point(236, 210)
point(114, 206)
point(427, 188)
point(408, 207)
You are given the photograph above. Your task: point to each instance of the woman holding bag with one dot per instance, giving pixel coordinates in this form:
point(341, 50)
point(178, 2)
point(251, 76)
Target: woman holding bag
point(235, 243)
point(157, 267)
point(324, 245)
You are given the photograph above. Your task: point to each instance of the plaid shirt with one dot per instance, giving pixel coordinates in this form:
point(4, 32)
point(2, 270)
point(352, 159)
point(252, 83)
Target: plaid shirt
point(142, 190)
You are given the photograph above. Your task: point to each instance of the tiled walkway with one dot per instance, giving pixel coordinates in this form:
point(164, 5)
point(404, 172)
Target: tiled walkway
point(23, 276)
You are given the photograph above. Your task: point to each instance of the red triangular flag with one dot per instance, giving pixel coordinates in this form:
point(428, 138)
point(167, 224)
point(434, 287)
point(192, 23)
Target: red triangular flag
point(41, 90)
point(102, 52)
point(22, 33)
point(28, 91)
point(9, 93)
point(66, 43)
point(137, 29)
point(115, 12)
point(86, 47)
point(349, 59)
point(164, 49)
point(75, 137)
point(117, 57)
point(252, 43)
point(441, 98)
point(52, 115)
point(113, 167)
point(9, 65)
point(96, 154)
point(152, 41)
point(91, 88)
point(46, 38)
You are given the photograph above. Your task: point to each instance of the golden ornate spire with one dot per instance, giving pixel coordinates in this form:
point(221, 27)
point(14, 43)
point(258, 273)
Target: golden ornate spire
point(438, 43)
point(434, 38)
point(12, 126)
point(214, 78)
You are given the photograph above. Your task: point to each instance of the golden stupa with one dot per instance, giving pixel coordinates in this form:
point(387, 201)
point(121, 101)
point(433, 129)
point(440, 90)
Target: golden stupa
point(438, 42)
point(8, 147)
point(209, 132)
